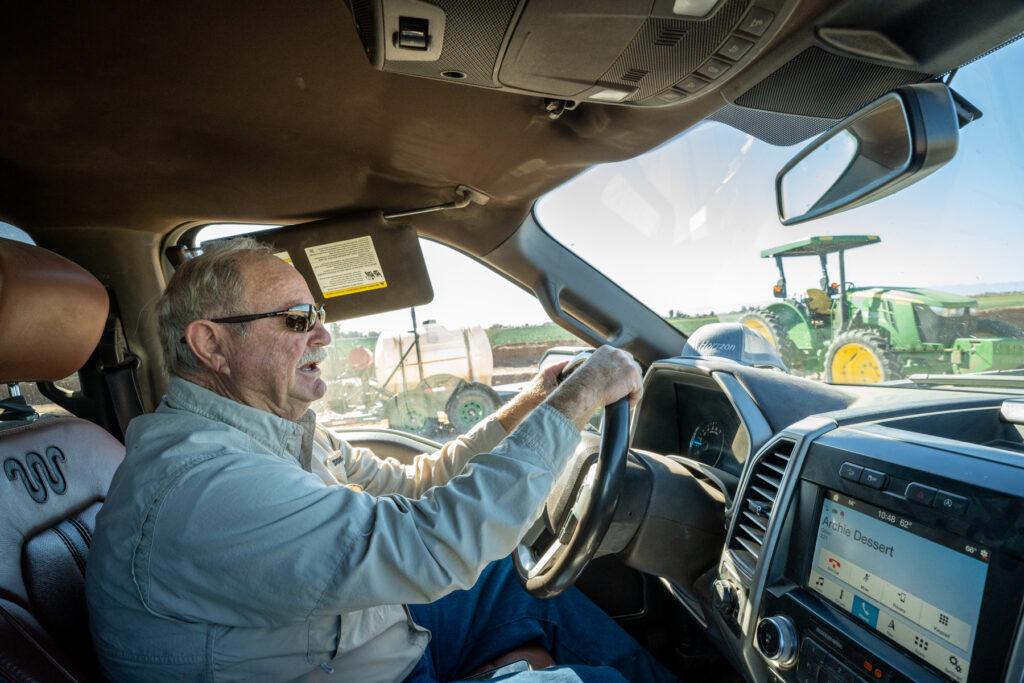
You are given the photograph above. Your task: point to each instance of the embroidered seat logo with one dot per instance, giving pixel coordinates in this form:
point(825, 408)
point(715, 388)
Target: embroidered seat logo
point(39, 475)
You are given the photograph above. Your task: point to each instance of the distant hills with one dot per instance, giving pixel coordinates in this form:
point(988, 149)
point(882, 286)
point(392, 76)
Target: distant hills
point(981, 288)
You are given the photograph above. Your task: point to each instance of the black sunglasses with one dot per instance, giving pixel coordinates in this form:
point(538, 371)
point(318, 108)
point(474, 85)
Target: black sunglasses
point(301, 318)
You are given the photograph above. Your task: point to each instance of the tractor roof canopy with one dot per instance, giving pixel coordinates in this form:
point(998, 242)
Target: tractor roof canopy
point(821, 244)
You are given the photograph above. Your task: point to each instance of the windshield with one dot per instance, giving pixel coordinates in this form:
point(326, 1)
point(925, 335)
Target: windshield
point(933, 277)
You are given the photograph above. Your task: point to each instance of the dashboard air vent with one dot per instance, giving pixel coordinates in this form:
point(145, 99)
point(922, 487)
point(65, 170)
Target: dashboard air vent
point(758, 500)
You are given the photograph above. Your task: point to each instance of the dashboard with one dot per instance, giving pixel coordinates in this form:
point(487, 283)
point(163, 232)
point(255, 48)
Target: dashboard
point(871, 533)
point(710, 430)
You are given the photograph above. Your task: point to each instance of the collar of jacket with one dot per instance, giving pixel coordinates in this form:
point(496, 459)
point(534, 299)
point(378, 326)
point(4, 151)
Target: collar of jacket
point(275, 434)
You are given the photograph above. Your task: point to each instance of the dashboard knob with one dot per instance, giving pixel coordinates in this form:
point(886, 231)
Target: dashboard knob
point(776, 639)
point(723, 597)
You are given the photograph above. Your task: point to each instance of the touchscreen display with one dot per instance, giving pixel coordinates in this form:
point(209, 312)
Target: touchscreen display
point(918, 586)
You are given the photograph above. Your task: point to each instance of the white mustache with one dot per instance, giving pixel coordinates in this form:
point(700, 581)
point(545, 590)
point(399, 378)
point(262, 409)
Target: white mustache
point(317, 355)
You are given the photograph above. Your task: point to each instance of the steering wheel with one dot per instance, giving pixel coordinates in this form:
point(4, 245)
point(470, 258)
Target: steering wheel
point(579, 527)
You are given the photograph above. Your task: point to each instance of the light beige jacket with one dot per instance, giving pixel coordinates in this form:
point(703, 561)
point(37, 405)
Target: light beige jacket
point(220, 556)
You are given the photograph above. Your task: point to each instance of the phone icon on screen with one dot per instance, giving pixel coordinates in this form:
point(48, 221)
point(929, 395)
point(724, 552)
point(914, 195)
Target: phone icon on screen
point(834, 563)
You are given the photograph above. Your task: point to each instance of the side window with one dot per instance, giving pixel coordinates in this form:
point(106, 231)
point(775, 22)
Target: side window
point(438, 369)
point(45, 406)
point(30, 392)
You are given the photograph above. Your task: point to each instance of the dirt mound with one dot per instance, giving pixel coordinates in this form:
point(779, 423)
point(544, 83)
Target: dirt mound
point(1014, 316)
point(521, 355)
point(513, 375)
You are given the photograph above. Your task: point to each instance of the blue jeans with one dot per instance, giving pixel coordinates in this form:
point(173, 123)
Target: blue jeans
point(471, 627)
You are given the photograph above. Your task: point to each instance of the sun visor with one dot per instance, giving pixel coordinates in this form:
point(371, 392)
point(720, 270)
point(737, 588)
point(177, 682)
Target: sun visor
point(358, 264)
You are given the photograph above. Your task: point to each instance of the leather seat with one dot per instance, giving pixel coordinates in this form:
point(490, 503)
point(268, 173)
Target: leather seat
point(56, 470)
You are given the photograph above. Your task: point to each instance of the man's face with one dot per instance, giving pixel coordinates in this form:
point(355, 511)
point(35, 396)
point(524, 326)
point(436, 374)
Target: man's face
point(272, 367)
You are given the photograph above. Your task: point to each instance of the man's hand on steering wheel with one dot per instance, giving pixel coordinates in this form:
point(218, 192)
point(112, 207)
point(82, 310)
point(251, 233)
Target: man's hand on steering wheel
point(606, 376)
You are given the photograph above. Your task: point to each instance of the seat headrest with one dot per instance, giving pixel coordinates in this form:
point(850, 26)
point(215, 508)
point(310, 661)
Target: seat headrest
point(52, 313)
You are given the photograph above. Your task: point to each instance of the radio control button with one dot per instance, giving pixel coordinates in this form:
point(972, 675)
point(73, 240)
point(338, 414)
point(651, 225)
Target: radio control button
point(873, 479)
point(920, 494)
point(811, 659)
point(835, 671)
point(850, 471)
point(777, 640)
point(949, 502)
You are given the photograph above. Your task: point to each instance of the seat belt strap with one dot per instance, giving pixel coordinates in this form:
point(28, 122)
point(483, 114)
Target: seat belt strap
point(118, 366)
point(124, 390)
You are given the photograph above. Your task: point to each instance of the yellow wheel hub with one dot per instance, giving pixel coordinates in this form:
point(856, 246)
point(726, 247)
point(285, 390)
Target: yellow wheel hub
point(762, 329)
point(855, 363)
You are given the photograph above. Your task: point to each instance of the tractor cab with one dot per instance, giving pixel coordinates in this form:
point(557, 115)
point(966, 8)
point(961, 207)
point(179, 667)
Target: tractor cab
point(828, 300)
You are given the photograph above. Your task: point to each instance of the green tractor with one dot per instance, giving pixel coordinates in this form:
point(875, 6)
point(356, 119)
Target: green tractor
point(863, 335)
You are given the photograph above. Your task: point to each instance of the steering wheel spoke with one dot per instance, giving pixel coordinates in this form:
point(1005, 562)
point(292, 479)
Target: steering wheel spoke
point(577, 535)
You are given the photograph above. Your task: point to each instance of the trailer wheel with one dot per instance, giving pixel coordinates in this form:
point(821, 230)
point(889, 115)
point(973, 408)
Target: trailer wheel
point(408, 411)
point(470, 403)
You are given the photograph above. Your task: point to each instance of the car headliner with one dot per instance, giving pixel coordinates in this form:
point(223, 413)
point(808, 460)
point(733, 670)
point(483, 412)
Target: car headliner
point(148, 116)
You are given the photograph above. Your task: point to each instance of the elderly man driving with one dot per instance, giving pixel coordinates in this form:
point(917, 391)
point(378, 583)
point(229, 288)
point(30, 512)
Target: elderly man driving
point(239, 542)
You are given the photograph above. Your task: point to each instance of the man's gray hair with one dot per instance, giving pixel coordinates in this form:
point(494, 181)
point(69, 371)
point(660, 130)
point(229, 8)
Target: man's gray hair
point(208, 286)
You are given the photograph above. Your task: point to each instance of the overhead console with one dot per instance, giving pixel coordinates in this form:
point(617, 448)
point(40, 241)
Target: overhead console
point(785, 70)
point(633, 52)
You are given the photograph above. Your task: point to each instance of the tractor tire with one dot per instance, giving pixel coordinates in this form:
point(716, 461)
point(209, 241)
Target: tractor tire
point(469, 404)
point(989, 327)
point(861, 357)
point(768, 325)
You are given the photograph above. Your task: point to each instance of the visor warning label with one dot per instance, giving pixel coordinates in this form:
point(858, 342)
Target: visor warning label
point(346, 267)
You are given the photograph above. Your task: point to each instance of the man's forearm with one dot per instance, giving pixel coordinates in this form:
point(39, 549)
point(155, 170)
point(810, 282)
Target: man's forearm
point(513, 412)
point(608, 375)
point(566, 399)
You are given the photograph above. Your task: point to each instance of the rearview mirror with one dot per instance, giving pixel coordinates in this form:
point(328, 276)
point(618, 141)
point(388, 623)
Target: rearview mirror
point(895, 141)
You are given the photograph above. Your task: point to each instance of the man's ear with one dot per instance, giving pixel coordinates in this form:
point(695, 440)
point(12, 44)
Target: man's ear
point(208, 343)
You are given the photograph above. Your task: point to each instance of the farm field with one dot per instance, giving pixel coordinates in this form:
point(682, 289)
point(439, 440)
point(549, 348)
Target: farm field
point(1002, 300)
point(1007, 306)
point(548, 333)
point(518, 350)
